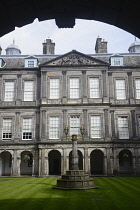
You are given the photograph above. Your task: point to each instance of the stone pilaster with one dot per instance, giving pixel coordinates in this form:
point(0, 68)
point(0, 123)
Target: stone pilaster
point(133, 124)
point(84, 86)
point(137, 161)
point(44, 88)
point(113, 124)
point(19, 90)
point(16, 164)
point(64, 168)
point(37, 130)
point(110, 87)
point(17, 136)
point(42, 162)
point(105, 99)
point(85, 123)
point(64, 87)
point(108, 161)
point(43, 129)
point(64, 123)
point(86, 162)
point(131, 98)
point(106, 124)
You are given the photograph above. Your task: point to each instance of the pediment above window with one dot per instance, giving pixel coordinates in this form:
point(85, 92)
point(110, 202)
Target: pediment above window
point(74, 58)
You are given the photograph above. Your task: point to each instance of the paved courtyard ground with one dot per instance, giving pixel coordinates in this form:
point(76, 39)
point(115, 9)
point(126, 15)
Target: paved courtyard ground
point(37, 193)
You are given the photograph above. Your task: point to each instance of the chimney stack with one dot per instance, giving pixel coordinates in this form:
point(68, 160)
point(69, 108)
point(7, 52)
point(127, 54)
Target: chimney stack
point(100, 46)
point(48, 47)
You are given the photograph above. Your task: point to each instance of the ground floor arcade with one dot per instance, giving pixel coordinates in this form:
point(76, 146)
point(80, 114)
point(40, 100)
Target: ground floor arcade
point(55, 160)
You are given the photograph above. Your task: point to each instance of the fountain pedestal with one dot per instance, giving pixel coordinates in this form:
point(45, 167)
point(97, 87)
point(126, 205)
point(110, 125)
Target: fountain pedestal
point(75, 179)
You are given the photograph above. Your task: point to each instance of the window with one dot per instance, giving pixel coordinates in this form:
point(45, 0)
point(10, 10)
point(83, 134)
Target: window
point(28, 90)
point(9, 91)
point(137, 85)
point(54, 128)
point(139, 124)
point(7, 129)
point(95, 126)
point(75, 125)
point(30, 62)
point(116, 61)
point(27, 129)
point(120, 89)
point(0, 62)
point(54, 88)
point(74, 87)
point(94, 87)
point(123, 127)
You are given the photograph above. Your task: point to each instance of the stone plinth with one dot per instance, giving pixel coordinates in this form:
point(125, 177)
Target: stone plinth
point(75, 180)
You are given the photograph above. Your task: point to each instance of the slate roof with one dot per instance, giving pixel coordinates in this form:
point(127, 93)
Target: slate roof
point(17, 61)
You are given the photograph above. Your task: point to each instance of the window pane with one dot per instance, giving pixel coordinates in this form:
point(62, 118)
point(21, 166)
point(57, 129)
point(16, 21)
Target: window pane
point(9, 91)
point(54, 128)
point(95, 126)
point(54, 88)
point(28, 90)
point(7, 128)
point(137, 84)
point(120, 89)
point(75, 125)
point(27, 129)
point(30, 63)
point(123, 127)
point(74, 87)
point(94, 87)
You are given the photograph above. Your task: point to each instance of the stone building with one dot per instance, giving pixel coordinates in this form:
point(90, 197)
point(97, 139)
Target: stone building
point(44, 99)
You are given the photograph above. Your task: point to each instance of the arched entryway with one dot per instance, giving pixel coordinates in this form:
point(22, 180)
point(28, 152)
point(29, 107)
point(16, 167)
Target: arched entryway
point(6, 163)
point(125, 162)
point(97, 162)
point(80, 160)
point(54, 162)
point(26, 163)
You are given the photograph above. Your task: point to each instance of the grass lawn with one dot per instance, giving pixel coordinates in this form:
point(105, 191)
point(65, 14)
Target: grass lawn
point(37, 193)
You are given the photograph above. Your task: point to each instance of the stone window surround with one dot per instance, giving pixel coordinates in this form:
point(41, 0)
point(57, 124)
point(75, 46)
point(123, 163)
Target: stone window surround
point(33, 127)
point(100, 85)
point(15, 89)
point(48, 86)
point(13, 126)
point(80, 86)
point(117, 129)
point(126, 87)
point(34, 88)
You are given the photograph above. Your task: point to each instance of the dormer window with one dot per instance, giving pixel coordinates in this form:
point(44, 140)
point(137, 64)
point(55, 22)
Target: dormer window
point(30, 62)
point(0, 62)
point(116, 61)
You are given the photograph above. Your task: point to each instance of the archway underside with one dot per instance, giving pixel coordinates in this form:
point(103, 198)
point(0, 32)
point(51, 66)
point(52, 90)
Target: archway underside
point(123, 14)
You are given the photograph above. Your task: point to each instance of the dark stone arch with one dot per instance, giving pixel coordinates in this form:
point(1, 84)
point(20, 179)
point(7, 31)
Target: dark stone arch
point(65, 12)
point(54, 162)
point(97, 162)
point(26, 163)
point(80, 160)
point(125, 162)
point(6, 163)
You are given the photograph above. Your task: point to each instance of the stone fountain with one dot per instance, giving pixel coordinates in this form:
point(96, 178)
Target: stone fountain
point(75, 179)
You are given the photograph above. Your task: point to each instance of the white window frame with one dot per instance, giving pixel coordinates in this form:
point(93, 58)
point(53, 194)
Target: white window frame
point(54, 88)
point(74, 88)
point(9, 91)
point(94, 90)
point(27, 128)
point(75, 125)
point(7, 122)
point(117, 61)
point(137, 88)
point(96, 126)
point(30, 62)
point(123, 127)
point(54, 127)
point(119, 89)
point(28, 92)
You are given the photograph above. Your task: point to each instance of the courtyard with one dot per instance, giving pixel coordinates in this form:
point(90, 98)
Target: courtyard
point(37, 193)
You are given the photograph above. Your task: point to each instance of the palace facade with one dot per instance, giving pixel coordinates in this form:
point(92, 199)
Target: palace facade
point(44, 99)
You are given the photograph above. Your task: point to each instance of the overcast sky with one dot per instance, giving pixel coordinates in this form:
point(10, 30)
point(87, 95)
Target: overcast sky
point(82, 37)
